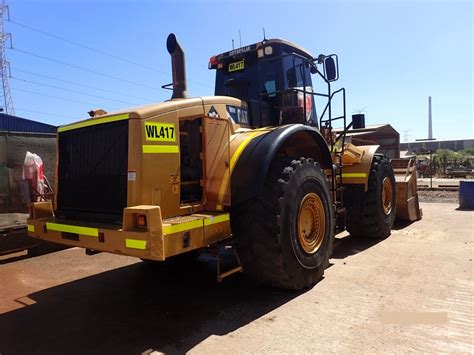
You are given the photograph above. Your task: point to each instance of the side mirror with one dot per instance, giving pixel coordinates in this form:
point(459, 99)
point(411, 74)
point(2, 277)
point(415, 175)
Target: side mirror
point(331, 71)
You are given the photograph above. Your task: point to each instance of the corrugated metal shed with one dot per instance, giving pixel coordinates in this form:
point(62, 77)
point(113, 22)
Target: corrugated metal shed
point(17, 124)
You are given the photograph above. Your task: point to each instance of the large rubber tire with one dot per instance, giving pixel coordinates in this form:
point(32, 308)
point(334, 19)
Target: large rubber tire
point(266, 227)
point(366, 217)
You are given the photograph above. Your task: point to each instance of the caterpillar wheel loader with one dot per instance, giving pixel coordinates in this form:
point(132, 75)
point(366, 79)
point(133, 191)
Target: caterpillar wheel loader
point(255, 166)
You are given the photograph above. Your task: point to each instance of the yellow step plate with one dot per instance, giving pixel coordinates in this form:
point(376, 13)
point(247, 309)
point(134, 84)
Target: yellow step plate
point(185, 223)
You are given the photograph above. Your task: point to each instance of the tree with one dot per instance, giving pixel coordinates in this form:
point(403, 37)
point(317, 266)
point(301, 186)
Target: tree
point(467, 152)
point(447, 157)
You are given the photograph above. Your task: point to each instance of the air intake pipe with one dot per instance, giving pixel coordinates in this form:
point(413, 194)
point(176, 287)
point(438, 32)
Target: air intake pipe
point(180, 89)
point(358, 121)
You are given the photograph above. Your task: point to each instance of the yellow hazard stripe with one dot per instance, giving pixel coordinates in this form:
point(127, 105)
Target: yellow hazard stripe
point(216, 219)
point(240, 149)
point(233, 161)
point(160, 149)
point(93, 122)
point(135, 244)
point(176, 228)
point(354, 175)
point(31, 228)
point(93, 232)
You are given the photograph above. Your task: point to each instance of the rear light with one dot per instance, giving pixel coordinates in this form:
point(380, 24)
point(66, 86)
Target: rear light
point(213, 62)
point(141, 221)
point(302, 97)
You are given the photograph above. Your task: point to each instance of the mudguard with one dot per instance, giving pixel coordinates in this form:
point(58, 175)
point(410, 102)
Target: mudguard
point(251, 169)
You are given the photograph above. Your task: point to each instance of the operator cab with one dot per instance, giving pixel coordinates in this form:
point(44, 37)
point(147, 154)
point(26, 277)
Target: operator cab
point(273, 77)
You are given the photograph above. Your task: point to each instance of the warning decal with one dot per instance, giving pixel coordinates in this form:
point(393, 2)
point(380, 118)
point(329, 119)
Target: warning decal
point(213, 112)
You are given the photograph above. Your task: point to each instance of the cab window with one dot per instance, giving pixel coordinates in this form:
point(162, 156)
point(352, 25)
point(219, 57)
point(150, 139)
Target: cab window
point(296, 72)
point(270, 77)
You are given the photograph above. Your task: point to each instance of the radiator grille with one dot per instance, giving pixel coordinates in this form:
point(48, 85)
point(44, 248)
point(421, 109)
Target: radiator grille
point(92, 172)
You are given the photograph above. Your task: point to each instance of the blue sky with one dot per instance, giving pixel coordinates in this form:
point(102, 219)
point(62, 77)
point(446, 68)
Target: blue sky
point(392, 54)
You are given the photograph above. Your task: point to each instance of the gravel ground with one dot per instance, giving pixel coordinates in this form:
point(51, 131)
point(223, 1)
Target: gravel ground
point(440, 196)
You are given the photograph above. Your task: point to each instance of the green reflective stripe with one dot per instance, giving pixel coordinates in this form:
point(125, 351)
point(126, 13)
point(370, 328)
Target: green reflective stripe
point(93, 232)
point(93, 122)
point(176, 228)
point(216, 219)
point(354, 175)
point(160, 149)
point(31, 228)
point(135, 244)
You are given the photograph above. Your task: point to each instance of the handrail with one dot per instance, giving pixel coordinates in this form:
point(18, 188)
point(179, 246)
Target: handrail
point(327, 122)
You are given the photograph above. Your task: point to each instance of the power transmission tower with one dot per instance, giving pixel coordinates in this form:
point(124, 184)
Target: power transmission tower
point(5, 94)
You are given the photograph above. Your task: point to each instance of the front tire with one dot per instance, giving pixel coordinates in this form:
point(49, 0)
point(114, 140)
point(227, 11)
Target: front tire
point(285, 235)
point(372, 215)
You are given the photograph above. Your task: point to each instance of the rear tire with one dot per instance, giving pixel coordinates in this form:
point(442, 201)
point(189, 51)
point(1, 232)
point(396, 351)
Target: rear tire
point(372, 215)
point(285, 235)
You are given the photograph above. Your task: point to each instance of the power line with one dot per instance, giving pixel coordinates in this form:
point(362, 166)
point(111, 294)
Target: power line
point(126, 60)
point(82, 85)
point(84, 69)
point(41, 113)
point(62, 98)
point(73, 91)
point(87, 47)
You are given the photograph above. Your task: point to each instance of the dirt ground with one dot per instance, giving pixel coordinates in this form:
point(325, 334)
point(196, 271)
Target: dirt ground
point(438, 196)
point(412, 292)
point(444, 190)
point(438, 182)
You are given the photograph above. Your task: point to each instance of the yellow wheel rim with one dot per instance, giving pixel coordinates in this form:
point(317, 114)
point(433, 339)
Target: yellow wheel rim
point(311, 223)
point(387, 192)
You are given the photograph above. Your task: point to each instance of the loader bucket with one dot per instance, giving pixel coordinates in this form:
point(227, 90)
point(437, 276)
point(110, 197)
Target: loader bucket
point(408, 207)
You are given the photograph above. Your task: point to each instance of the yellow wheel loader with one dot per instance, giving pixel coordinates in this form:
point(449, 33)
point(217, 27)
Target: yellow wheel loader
point(254, 165)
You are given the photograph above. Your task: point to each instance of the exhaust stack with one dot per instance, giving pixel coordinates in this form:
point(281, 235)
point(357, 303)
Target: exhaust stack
point(180, 87)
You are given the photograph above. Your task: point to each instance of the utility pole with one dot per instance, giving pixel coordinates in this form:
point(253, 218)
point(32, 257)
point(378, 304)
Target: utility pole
point(430, 120)
point(5, 94)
